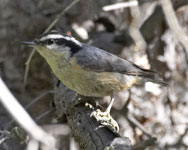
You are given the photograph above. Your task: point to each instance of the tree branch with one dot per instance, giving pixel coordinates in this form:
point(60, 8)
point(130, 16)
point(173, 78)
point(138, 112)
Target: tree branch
point(23, 118)
point(89, 133)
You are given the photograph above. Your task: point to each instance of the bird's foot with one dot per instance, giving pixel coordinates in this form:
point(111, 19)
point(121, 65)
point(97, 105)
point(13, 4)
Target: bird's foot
point(106, 119)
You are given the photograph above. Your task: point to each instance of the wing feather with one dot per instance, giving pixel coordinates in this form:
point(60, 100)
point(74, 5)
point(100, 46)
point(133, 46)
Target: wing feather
point(95, 59)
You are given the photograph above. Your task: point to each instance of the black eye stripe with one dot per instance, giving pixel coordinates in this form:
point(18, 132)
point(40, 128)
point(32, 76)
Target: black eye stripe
point(47, 42)
point(50, 41)
point(61, 41)
point(74, 47)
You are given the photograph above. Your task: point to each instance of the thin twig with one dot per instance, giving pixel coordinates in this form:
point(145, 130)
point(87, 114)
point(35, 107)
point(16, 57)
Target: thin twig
point(54, 22)
point(120, 5)
point(44, 114)
point(37, 99)
point(60, 15)
point(174, 24)
point(23, 118)
point(143, 145)
point(137, 124)
point(29, 105)
point(134, 29)
point(27, 64)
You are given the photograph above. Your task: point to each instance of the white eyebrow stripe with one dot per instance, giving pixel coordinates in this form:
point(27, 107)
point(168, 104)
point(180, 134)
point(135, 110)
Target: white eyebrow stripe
point(51, 36)
point(59, 36)
point(72, 39)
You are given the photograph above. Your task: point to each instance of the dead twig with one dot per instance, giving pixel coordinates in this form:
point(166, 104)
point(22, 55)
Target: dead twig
point(27, 64)
point(23, 118)
point(37, 99)
point(174, 24)
point(60, 15)
point(44, 114)
point(137, 124)
point(143, 145)
point(29, 105)
point(134, 29)
point(120, 5)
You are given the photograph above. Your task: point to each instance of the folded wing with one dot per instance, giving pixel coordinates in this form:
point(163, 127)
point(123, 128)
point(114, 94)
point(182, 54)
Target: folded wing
point(95, 59)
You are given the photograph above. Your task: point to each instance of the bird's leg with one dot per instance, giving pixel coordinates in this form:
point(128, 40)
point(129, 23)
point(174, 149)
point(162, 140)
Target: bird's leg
point(110, 105)
point(105, 118)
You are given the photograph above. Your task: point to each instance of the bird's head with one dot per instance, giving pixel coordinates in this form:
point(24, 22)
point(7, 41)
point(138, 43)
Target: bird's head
point(54, 43)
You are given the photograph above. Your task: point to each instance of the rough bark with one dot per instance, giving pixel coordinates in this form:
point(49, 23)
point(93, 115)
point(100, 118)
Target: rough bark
point(89, 133)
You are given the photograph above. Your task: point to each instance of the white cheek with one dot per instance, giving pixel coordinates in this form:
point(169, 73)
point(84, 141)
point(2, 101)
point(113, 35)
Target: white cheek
point(56, 50)
point(65, 52)
point(52, 47)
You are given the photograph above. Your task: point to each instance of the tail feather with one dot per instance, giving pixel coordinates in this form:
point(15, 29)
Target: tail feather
point(152, 76)
point(147, 75)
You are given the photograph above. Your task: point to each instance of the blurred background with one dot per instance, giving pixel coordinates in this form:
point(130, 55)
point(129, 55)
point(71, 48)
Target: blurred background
point(144, 33)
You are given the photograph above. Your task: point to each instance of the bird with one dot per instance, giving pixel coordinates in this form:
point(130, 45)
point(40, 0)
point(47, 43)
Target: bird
point(88, 70)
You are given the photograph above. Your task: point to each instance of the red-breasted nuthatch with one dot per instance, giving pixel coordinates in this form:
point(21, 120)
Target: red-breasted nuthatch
point(88, 70)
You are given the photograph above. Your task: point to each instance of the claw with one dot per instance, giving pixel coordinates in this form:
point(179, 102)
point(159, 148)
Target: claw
point(105, 118)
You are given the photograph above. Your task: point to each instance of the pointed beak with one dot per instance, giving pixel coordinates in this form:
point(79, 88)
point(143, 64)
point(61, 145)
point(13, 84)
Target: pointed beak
point(32, 43)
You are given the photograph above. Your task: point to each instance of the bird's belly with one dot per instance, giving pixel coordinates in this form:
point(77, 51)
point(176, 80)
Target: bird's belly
point(89, 83)
point(94, 84)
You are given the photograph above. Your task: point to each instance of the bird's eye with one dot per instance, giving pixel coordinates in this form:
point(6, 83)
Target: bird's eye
point(50, 41)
